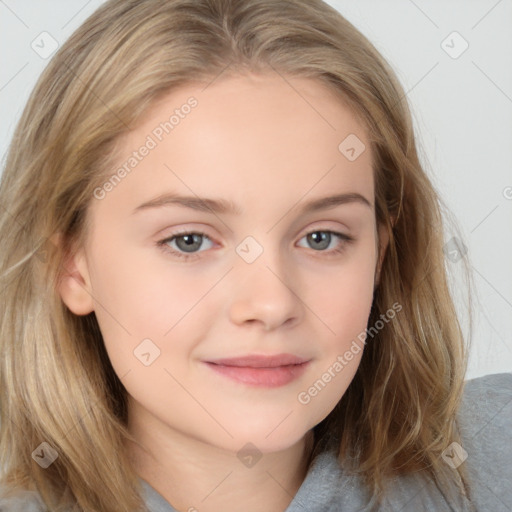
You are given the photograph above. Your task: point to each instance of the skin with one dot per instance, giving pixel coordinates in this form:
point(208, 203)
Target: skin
point(268, 147)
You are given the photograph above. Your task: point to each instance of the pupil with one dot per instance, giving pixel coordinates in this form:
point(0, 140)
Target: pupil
point(323, 236)
point(189, 241)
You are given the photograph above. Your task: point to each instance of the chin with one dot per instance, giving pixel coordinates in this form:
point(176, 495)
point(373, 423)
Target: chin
point(267, 440)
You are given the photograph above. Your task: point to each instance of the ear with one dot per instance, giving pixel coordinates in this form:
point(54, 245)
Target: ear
point(384, 242)
point(74, 285)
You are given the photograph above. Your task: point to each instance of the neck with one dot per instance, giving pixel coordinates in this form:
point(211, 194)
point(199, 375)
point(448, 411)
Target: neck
point(193, 475)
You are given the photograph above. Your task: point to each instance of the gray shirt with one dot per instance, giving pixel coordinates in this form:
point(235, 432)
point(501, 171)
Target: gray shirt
point(486, 431)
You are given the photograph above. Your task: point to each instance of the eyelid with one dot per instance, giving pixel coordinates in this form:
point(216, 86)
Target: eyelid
point(325, 225)
point(317, 226)
point(344, 241)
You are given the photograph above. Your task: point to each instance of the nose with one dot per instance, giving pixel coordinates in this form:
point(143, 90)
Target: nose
point(264, 295)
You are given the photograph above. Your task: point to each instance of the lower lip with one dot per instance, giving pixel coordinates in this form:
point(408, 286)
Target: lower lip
point(261, 377)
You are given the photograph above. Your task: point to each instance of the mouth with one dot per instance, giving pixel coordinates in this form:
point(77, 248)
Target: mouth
point(260, 370)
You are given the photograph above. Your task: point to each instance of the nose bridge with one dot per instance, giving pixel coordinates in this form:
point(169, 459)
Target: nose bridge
point(263, 285)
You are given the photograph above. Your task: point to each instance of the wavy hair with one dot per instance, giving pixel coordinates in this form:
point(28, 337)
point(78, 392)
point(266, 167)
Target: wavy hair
point(56, 381)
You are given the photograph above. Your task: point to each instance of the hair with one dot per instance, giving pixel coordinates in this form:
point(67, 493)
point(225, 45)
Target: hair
point(57, 384)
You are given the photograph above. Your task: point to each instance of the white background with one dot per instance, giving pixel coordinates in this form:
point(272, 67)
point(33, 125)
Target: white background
point(462, 110)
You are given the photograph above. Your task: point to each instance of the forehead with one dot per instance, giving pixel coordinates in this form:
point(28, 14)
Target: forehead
point(256, 136)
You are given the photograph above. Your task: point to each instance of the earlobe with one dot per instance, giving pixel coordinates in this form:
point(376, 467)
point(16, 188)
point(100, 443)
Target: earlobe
point(74, 285)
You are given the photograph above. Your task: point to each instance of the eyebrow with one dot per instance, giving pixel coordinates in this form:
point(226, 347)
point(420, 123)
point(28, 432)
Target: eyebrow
point(222, 206)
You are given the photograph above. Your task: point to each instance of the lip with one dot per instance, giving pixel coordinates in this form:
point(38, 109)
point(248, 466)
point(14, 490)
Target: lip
point(260, 360)
point(261, 370)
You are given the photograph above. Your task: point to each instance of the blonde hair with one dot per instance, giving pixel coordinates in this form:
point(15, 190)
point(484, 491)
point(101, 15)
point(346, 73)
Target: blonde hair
point(57, 384)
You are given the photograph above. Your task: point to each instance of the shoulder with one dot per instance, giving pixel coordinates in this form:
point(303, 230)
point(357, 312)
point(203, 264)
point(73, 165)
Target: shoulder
point(485, 396)
point(485, 426)
point(485, 423)
point(20, 501)
point(485, 414)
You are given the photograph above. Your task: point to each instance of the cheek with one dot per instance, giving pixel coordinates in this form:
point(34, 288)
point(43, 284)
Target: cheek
point(346, 308)
point(139, 291)
point(344, 305)
point(344, 293)
point(319, 396)
point(136, 301)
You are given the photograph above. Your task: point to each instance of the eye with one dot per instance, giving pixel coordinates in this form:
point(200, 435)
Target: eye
point(321, 240)
point(186, 243)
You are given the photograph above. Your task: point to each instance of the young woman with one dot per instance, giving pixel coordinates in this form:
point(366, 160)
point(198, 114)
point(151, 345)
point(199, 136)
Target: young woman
point(223, 278)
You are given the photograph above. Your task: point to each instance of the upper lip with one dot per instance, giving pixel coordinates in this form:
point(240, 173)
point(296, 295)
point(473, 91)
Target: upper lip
point(260, 361)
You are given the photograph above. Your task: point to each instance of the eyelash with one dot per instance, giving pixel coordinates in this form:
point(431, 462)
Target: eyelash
point(186, 257)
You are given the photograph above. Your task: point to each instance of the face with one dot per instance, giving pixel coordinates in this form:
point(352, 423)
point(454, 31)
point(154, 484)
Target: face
point(178, 284)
